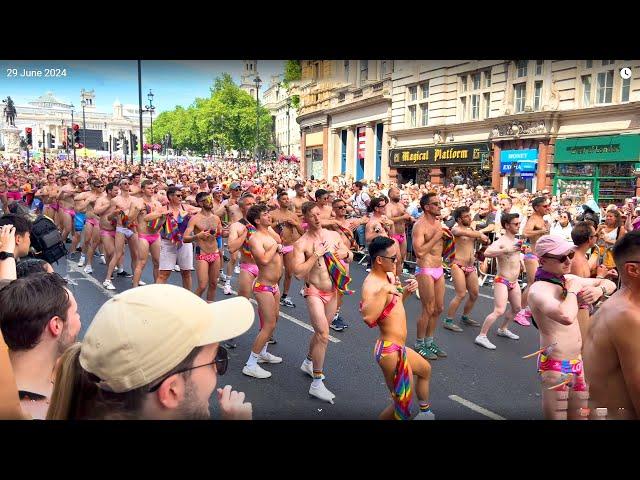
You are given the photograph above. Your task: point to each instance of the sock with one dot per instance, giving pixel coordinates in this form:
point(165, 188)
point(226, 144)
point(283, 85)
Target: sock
point(428, 341)
point(308, 360)
point(228, 282)
point(425, 406)
point(420, 341)
point(253, 359)
point(264, 349)
point(317, 378)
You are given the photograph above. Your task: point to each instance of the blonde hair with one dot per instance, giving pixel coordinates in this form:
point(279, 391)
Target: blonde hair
point(64, 399)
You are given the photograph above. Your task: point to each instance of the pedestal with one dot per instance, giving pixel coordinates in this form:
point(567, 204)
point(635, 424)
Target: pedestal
point(11, 136)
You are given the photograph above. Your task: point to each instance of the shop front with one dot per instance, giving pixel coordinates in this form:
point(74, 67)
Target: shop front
point(601, 166)
point(446, 164)
point(314, 153)
point(518, 168)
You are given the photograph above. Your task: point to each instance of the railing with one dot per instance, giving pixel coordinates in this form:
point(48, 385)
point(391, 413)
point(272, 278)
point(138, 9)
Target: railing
point(357, 93)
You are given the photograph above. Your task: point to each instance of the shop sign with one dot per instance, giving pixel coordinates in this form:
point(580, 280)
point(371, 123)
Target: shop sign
point(611, 148)
point(443, 155)
point(526, 160)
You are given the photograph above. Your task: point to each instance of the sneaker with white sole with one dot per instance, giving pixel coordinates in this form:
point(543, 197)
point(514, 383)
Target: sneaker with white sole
point(428, 415)
point(508, 333)
point(237, 270)
point(141, 283)
point(222, 277)
point(308, 369)
point(302, 292)
point(227, 290)
point(286, 301)
point(449, 325)
point(108, 285)
point(82, 261)
point(269, 358)
point(176, 268)
point(256, 371)
point(88, 269)
point(482, 340)
point(322, 393)
point(103, 260)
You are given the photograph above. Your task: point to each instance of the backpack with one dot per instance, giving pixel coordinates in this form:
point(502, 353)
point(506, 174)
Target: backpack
point(47, 240)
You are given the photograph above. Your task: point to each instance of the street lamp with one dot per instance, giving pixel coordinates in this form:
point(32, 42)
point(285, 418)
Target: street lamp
point(75, 160)
point(150, 108)
point(257, 81)
point(84, 127)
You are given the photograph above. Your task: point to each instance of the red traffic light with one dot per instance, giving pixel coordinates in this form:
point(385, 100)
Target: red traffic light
point(76, 127)
point(28, 130)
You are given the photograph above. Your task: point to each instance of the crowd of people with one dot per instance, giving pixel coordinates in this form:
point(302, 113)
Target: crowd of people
point(551, 261)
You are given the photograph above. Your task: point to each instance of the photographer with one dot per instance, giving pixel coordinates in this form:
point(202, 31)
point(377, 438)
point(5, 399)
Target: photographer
point(22, 234)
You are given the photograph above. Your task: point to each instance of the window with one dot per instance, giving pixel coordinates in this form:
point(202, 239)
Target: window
point(475, 81)
point(346, 70)
point(475, 107)
point(537, 95)
point(413, 93)
point(364, 71)
point(386, 67)
point(626, 83)
point(463, 107)
point(487, 105)
point(539, 67)
point(425, 90)
point(521, 68)
point(519, 94)
point(463, 81)
point(316, 71)
point(608, 62)
point(487, 78)
point(412, 116)
point(586, 90)
point(605, 86)
point(424, 112)
point(588, 63)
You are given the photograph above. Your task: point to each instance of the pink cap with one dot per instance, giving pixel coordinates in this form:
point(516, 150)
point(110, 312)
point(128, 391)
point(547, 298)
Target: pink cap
point(554, 245)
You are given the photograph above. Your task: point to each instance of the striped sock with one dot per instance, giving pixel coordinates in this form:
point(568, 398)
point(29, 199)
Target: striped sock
point(317, 374)
point(428, 341)
point(419, 341)
point(425, 406)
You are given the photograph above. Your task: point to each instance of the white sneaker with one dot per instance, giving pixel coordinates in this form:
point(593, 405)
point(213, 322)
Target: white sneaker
point(484, 341)
point(88, 269)
point(83, 259)
point(302, 292)
point(425, 416)
point(256, 371)
point(103, 260)
point(141, 283)
point(322, 393)
point(508, 333)
point(223, 277)
point(308, 369)
point(269, 358)
point(119, 269)
point(237, 270)
point(227, 289)
point(176, 268)
point(108, 285)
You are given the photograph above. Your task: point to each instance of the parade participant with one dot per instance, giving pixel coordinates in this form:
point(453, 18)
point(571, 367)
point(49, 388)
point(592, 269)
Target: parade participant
point(239, 232)
point(65, 201)
point(506, 250)
point(80, 203)
point(286, 224)
point(49, 196)
point(379, 224)
point(172, 249)
point(206, 227)
point(535, 227)
point(397, 213)
point(380, 306)
point(611, 354)
point(125, 232)
point(320, 289)
point(233, 214)
point(299, 199)
point(267, 253)
point(554, 299)
point(463, 269)
point(150, 216)
point(104, 208)
point(326, 211)
point(428, 245)
point(135, 189)
point(92, 226)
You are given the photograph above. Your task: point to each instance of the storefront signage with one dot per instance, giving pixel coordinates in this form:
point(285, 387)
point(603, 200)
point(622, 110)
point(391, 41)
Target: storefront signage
point(525, 160)
point(414, 157)
point(611, 148)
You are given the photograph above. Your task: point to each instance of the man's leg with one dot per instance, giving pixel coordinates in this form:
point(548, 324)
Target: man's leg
point(230, 267)
point(109, 247)
point(202, 273)
point(319, 314)
point(554, 402)
point(155, 258)
point(184, 260)
point(515, 298)
point(213, 274)
point(427, 294)
point(460, 285)
point(133, 241)
point(143, 254)
point(578, 401)
point(473, 289)
point(87, 244)
point(438, 307)
point(500, 294)
point(403, 255)
point(67, 224)
point(245, 284)
point(268, 312)
point(119, 251)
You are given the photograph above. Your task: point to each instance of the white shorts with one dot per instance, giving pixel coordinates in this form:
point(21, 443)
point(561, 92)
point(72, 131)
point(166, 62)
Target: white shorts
point(124, 231)
point(170, 255)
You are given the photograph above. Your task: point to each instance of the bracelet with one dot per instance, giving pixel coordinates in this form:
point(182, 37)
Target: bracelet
point(568, 291)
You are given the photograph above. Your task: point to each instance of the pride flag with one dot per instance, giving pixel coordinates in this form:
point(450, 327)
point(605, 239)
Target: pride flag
point(338, 274)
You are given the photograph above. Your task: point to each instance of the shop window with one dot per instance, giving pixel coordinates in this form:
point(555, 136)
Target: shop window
point(616, 169)
point(521, 68)
point(577, 190)
point(424, 113)
point(586, 90)
point(425, 90)
point(537, 95)
point(577, 170)
point(626, 84)
point(475, 107)
point(519, 95)
point(487, 105)
point(412, 116)
point(605, 86)
point(413, 93)
point(539, 67)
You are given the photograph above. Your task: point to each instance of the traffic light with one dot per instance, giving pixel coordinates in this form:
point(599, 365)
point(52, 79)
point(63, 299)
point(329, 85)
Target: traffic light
point(126, 146)
point(134, 143)
point(28, 133)
point(76, 135)
point(118, 144)
point(51, 140)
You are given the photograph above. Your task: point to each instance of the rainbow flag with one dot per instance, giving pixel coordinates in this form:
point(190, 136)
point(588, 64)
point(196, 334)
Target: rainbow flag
point(338, 274)
point(245, 245)
point(174, 228)
point(448, 246)
point(402, 394)
point(153, 224)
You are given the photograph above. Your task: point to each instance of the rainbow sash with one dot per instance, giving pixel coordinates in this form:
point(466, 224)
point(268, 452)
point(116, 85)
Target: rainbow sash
point(245, 245)
point(338, 274)
point(448, 246)
point(402, 394)
point(153, 225)
point(349, 234)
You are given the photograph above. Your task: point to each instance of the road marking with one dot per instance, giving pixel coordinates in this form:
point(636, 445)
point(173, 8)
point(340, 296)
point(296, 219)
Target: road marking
point(476, 408)
point(73, 268)
point(480, 294)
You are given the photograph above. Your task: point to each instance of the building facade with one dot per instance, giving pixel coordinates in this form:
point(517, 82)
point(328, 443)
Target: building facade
point(286, 131)
point(248, 76)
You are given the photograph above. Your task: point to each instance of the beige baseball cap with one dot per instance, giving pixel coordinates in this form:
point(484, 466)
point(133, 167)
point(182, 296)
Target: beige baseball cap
point(141, 334)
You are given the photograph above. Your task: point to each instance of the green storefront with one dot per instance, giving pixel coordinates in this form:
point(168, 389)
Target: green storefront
point(603, 166)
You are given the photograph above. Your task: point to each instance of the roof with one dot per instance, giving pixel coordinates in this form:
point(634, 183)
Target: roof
point(49, 98)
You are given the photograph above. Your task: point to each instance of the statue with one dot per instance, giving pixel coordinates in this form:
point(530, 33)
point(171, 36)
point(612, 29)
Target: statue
point(9, 112)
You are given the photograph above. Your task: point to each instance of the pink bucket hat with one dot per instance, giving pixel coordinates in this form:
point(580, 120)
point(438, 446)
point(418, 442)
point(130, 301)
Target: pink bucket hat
point(554, 245)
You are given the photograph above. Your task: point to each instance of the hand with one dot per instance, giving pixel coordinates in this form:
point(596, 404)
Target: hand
point(590, 294)
point(411, 285)
point(391, 288)
point(320, 249)
point(205, 234)
point(602, 271)
point(232, 405)
point(7, 238)
point(485, 239)
point(573, 286)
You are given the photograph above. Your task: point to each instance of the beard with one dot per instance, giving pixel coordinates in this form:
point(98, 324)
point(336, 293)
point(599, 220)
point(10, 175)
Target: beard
point(191, 409)
point(65, 340)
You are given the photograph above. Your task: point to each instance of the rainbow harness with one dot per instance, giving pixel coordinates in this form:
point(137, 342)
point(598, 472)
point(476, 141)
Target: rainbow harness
point(402, 393)
point(448, 246)
point(338, 274)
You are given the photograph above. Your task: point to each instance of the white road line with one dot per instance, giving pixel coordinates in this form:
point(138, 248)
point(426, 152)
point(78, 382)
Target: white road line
point(476, 408)
point(480, 294)
point(73, 268)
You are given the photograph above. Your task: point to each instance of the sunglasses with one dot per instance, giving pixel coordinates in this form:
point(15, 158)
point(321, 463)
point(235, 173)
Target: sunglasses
point(341, 207)
point(393, 259)
point(221, 363)
point(563, 258)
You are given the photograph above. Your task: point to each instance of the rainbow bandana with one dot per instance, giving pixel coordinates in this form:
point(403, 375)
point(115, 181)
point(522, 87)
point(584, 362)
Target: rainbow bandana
point(153, 225)
point(402, 393)
point(338, 274)
point(448, 246)
point(245, 245)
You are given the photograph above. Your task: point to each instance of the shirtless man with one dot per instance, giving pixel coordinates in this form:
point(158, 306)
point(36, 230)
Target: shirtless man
point(286, 224)
point(267, 253)
point(396, 212)
point(554, 298)
point(125, 232)
point(238, 242)
point(326, 211)
point(65, 202)
point(80, 218)
point(463, 269)
point(299, 199)
point(428, 236)
point(85, 203)
point(535, 227)
point(135, 189)
point(378, 224)
point(506, 250)
point(233, 215)
point(380, 306)
point(610, 347)
point(149, 216)
point(49, 196)
point(320, 291)
point(205, 227)
point(104, 208)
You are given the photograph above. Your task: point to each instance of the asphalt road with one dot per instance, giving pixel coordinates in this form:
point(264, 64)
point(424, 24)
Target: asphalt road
point(472, 383)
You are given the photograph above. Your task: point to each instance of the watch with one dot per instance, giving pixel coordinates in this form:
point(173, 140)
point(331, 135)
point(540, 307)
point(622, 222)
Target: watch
point(5, 255)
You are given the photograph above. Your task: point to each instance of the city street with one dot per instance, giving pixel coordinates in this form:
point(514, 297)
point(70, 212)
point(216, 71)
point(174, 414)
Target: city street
point(472, 383)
